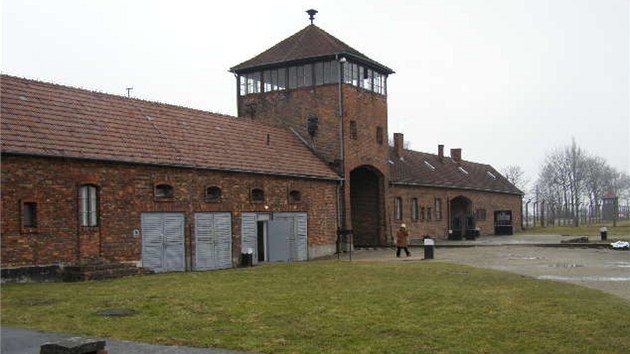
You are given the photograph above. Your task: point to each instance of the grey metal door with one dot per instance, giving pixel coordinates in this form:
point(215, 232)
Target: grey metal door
point(163, 241)
point(213, 241)
point(278, 239)
point(296, 235)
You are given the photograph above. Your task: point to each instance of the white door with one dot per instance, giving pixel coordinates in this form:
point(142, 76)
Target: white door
point(163, 241)
point(213, 241)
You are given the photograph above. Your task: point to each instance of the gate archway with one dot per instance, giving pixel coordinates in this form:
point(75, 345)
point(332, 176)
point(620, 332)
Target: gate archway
point(367, 206)
point(462, 218)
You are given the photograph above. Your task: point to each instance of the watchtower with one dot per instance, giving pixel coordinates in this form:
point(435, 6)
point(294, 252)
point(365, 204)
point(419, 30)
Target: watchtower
point(334, 98)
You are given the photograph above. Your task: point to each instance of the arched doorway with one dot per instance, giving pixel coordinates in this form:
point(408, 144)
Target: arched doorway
point(366, 204)
point(462, 218)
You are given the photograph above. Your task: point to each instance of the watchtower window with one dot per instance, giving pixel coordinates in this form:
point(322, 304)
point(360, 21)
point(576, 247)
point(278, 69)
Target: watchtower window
point(353, 129)
point(379, 135)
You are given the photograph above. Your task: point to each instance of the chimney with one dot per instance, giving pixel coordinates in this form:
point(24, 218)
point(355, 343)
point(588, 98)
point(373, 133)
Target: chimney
point(441, 151)
point(399, 143)
point(456, 155)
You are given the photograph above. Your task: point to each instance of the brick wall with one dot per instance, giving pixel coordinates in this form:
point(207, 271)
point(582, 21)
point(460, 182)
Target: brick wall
point(439, 227)
point(364, 115)
point(126, 191)
point(292, 108)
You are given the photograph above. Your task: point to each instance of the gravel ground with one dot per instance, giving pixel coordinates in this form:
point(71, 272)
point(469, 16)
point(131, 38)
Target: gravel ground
point(539, 257)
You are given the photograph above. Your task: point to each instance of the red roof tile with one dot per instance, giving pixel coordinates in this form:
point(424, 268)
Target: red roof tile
point(423, 169)
point(47, 119)
point(309, 43)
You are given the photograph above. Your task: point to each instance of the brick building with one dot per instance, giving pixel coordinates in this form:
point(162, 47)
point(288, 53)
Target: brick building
point(88, 176)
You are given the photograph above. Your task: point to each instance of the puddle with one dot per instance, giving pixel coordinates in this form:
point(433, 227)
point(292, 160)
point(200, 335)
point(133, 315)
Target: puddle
point(556, 277)
point(565, 265)
point(618, 265)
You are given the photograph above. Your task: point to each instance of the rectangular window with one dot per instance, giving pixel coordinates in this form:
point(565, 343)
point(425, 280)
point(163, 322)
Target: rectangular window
point(429, 214)
point(319, 73)
point(438, 209)
point(423, 214)
point(353, 129)
point(282, 79)
point(331, 72)
point(379, 83)
point(29, 215)
point(379, 135)
point(292, 77)
point(414, 209)
point(89, 215)
point(307, 75)
point(398, 214)
point(480, 214)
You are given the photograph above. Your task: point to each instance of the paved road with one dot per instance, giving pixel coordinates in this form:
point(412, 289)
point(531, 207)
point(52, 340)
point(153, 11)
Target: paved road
point(541, 257)
point(26, 341)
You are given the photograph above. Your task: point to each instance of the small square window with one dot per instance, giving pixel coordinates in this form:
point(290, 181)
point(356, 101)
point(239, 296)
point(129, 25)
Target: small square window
point(163, 191)
point(257, 195)
point(295, 196)
point(213, 195)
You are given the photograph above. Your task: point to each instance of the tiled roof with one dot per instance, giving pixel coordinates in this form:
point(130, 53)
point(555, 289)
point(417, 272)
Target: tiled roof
point(53, 120)
point(423, 169)
point(309, 43)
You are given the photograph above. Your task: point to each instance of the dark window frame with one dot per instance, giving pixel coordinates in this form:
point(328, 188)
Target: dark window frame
point(28, 216)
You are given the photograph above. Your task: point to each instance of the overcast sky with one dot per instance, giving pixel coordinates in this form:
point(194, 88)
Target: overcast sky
point(506, 81)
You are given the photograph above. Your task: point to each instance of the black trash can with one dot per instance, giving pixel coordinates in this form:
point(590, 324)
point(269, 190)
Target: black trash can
point(429, 244)
point(247, 259)
point(603, 233)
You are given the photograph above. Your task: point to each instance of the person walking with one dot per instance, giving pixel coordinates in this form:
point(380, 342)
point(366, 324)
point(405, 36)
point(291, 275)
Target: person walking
point(402, 240)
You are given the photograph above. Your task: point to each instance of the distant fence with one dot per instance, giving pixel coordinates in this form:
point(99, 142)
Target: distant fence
point(541, 215)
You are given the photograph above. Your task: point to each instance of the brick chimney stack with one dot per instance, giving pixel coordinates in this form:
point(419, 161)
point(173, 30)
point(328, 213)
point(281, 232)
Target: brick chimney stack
point(399, 143)
point(456, 155)
point(441, 151)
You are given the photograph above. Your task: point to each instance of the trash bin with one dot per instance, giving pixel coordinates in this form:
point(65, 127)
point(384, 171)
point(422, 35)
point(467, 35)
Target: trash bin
point(603, 233)
point(247, 258)
point(428, 247)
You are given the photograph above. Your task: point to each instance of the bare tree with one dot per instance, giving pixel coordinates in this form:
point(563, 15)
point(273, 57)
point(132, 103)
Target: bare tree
point(570, 176)
point(516, 176)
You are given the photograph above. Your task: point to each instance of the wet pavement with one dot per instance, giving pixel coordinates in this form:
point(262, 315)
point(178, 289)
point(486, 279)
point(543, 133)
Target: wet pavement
point(548, 257)
point(27, 341)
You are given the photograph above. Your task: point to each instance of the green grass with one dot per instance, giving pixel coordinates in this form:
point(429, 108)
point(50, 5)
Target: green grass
point(622, 229)
point(334, 307)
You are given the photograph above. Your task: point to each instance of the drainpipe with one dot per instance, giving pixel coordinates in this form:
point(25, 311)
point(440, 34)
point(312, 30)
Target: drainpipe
point(448, 217)
point(343, 186)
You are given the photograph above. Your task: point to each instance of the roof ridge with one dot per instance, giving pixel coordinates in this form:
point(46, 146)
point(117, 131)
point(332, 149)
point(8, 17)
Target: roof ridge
point(117, 96)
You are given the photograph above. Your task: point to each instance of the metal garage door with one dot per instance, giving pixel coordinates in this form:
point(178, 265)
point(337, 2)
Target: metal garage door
point(297, 242)
point(213, 241)
point(163, 241)
point(286, 239)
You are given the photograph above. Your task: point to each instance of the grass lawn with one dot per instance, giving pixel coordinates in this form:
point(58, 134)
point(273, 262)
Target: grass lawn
point(334, 307)
point(622, 229)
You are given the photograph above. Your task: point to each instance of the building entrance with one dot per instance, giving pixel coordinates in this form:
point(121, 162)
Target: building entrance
point(366, 203)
